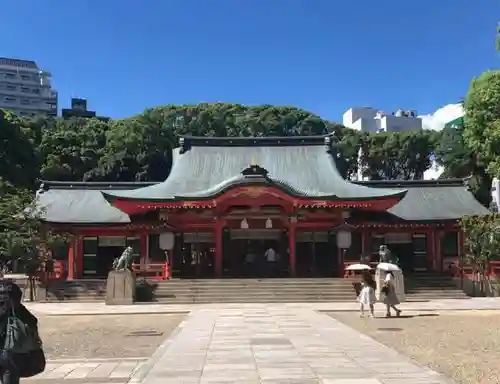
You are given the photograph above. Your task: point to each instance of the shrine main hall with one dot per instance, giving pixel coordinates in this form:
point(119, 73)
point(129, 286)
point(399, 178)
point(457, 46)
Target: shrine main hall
point(227, 201)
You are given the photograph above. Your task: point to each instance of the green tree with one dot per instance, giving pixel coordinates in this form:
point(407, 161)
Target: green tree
point(481, 243)
point(23, 234)
point(140, 148)
point(482, 120)
point(18, 160)
point(70, 149)
point(397, 156)
point(347, 145)
point(461, 162)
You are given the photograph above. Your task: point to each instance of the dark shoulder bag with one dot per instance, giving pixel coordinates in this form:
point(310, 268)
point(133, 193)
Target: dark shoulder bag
point(23, 347)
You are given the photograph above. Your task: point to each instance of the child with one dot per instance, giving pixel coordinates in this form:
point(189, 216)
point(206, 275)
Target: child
point(367, 294)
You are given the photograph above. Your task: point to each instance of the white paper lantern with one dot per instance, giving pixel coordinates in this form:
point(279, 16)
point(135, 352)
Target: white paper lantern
point(344, 239)
point(166, 241)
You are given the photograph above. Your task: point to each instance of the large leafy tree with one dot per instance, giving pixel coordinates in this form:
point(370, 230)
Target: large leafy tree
point(71, 149)
point(482, 120)
point(140, 148)
point(461, 162)
point(481, 242)
point(18, 160)
point(393, 156)
point(24, 237)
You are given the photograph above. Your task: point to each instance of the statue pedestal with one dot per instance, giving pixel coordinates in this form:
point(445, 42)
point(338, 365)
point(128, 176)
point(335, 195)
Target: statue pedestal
point(120, 288)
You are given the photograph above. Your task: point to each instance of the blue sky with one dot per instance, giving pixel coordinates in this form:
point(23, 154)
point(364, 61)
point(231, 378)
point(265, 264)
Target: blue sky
point(321, 55)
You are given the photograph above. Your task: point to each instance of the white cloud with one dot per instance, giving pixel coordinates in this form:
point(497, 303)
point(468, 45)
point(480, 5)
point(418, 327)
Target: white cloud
point(438, 119)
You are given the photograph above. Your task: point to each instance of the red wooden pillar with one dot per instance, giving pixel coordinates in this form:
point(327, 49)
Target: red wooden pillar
point(438, 255)
point(219, 224)
point(366, 242)
point(431, 250)
point(292, 241)
point(71, 258)
point(144, 248)
point(79, 256)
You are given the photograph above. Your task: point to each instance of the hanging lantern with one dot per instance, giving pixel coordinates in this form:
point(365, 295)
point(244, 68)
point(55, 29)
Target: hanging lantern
point(244, 224)
point(269, 223)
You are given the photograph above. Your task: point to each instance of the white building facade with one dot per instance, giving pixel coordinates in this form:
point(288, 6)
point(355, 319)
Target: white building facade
point(372, 120)
point(25, 89)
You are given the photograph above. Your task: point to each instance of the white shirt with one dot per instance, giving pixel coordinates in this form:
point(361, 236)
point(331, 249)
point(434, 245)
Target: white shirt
point(270, 255)
point(388, 278)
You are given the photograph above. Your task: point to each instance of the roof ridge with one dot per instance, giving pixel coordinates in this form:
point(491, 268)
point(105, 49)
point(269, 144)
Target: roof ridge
point(98, 185)
point(455, 182)
point(187, 142)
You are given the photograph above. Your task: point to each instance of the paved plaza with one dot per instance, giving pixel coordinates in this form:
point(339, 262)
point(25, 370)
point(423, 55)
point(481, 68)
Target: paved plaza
point(255, 343)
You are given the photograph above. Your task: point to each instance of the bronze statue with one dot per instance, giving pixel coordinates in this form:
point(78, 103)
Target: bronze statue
point(125, 260)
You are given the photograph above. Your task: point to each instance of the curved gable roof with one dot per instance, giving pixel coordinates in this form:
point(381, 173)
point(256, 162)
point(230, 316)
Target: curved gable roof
point(303, 166)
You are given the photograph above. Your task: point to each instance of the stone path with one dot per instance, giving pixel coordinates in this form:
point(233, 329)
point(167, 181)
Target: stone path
point(100, 308)
point(98, 371)
point(276, 344)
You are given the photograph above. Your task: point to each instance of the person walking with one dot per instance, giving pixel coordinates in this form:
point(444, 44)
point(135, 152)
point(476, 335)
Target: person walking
point(367, 295)
point(390, 297)
point(14, 365)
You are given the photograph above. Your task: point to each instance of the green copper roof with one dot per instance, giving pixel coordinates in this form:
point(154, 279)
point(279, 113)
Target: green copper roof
point(432, 200)
point(83, 203)
point(302, 166)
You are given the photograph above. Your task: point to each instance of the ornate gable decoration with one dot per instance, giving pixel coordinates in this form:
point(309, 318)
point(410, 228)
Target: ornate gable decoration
point(255, 171)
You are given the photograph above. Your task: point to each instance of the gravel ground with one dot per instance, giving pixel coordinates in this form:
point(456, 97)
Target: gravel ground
point(464, 345)
point(105, 336)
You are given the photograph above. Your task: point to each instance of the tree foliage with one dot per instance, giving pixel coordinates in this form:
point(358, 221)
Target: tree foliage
point(393, 156)
point(18, 160)
point(140, 147)
point(481, 240)
point(23, 235)
point(482, 120)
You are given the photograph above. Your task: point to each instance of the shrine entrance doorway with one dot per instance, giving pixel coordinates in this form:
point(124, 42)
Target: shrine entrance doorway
point(255, 253)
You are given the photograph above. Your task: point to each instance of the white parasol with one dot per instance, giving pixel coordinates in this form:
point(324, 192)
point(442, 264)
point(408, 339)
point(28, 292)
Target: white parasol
point(388, 267)
point(358, 267)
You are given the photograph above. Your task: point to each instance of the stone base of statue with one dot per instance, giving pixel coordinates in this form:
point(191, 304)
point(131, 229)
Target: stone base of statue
point(120, 288)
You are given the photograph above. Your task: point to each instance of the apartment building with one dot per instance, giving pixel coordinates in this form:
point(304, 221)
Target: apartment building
point(25, 89)
point(368, 119)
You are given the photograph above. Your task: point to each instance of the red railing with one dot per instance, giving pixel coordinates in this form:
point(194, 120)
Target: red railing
point(452, 265)
point(57, 274)
point(157, 271)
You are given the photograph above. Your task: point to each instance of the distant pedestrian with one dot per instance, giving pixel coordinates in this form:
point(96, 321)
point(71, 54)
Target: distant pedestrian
point(390, 297)
point(21, 353)
point(367, 295)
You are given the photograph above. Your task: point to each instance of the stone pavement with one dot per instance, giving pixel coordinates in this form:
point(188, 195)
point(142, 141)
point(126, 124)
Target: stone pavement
point(276, 344)
point(88, 371)
point(100, 308)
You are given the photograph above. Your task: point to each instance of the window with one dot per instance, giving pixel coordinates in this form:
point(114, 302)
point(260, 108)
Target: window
point(10, 76)
point(36, 91)
point(9, 100)
point(25, 77)
point(11, 87)
point(450, 244)
point(90, 261)
point(25, 89)
point(25, 101)
point(419, 251)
